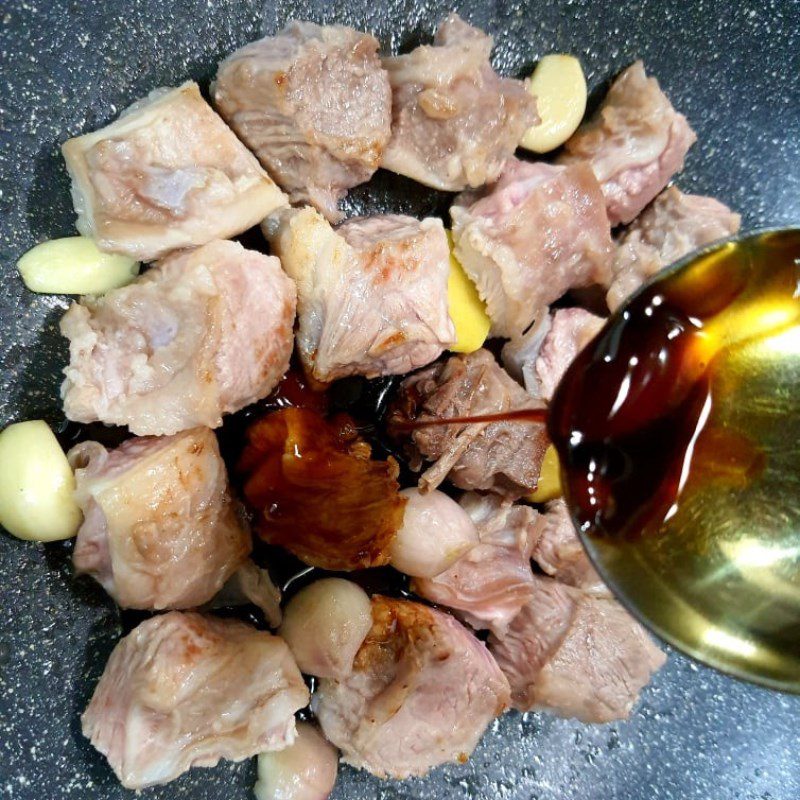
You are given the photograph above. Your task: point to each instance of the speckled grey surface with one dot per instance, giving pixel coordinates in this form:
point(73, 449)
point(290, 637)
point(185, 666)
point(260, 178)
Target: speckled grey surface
point(68, 66)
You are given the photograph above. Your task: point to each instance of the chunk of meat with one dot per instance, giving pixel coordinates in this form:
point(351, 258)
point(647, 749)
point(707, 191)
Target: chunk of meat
point(454, 120)
point(317, 492)
point(541, 356)
point(673, 226)
point(314, 104)
point(206, 333)
point(575, 654)
point(168, 174)
point(421, 693)
point(372, 295)
point(503, 457)
point(306, 770)
point(490, 583)
point(539, 231)
point(160, 528)
point(635, 143)
point(560, 554)
point(185, 690)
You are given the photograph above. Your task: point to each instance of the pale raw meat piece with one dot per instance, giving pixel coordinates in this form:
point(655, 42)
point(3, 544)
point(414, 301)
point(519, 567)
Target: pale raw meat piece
point(314, 104)
point(490, 583)
point(454, 120)
point(371, 295)
point(206, 333)
point(560, 554)
point(575, 654)
point(168, 174)
point(421, 693)
point(185, 690)
point(160, 527)
point(502, 457)
point(673, 226)
point(542, 355)
point(305, 770)
point(539, 231)
point(635, 143)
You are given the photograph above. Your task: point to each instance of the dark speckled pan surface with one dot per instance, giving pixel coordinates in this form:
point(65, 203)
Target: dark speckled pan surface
point(69, 66)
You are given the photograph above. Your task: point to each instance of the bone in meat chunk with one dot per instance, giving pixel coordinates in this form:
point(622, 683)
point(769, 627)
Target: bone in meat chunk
point(206, 333)
point(541, 356)
point(560, 554)
point(160, 527)
point(185, 690)
point(314, 104)
point(371, 295)
point(673, 226)
point(490, 583)
point(635, 143)
point(575, 654)
point(503, 457)
point(539, 231)
point(421, 693)
point(454, 120)
point(168, 174)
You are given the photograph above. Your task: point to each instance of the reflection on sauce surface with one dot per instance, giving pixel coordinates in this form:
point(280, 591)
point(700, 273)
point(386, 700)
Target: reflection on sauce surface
point(677, 432)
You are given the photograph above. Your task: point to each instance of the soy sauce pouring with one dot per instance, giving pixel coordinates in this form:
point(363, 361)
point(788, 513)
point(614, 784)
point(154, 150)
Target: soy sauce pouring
point(678, 433)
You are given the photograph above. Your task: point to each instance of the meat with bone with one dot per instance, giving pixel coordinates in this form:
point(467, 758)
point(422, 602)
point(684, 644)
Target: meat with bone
point(560, 554)
point(314, 104)
point(540, 356)
point(421, 693)
point(372, 294)
point(539, 231)
point(575, 654)
point(490, 583)
point(673, 226)
point(635, 143)
point(503, 457)
point(454, 120)
point(185, 690)
point(160, 527)
point(167, 174)
point(206, 333)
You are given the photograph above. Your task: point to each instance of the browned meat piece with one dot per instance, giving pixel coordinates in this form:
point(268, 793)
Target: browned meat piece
point(559, 552)
point(315, 106)
point(168, 174)
point(541, 356)
point(185, 690)
point(421, 693)
point(539, 231)
point(575, 654)
point(454, 120)
point(371, 295)
point(206, 333)
point(492, 581)
point(160, 528)
point(635, 143)
point(502, 457)
point(670, 228)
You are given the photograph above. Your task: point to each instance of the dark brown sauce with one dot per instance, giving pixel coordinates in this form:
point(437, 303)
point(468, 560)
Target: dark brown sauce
point(628, 419)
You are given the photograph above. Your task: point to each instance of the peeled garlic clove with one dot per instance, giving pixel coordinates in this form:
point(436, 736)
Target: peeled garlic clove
point(306, 770)
point(467, 310)
point(36, 484)
point(559, 87)
point(549, 484)
point(74, 265)
point(324, 624)
point(435, 533)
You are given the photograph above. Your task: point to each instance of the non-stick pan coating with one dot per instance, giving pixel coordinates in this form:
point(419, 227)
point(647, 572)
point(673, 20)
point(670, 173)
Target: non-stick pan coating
point(69, 66)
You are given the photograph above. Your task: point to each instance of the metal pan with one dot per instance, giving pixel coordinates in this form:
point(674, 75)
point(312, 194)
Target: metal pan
point(69, 67)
